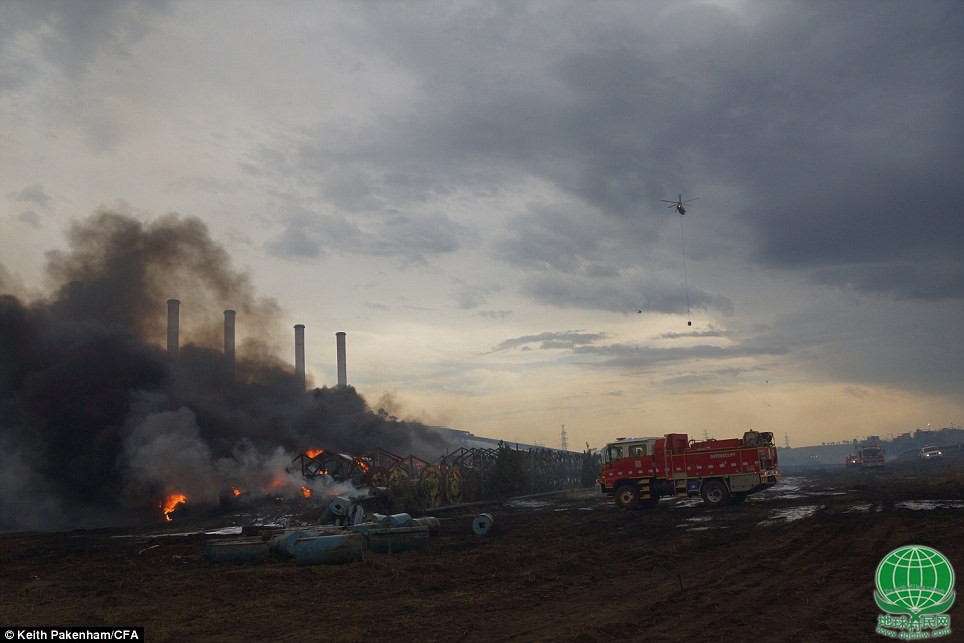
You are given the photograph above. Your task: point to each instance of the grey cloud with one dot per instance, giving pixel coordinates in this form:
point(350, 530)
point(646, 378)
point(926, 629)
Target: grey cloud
point(410, 239)
point(568, 340)
point(712, 332)
point(72, 33)
point(495, 314)
point(296, 240)
point(473, 296)
point(598, 354)
point(33, 193)
point(555, 241)
point(645, 357)
point(923, 278)
point(650, 294)
point(30, 218)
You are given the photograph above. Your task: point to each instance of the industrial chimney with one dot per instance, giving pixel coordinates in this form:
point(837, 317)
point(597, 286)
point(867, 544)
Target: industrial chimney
point(173, 327)
point(229, 342)
point(300, 355)
point(342, 363)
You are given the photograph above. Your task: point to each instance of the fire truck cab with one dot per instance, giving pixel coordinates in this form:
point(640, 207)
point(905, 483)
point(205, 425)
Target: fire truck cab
point(639, 471)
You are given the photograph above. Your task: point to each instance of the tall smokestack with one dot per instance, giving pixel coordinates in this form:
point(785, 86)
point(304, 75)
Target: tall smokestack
point(342, 362)
point(300, 354)
point(229, 342)
point(173, 327)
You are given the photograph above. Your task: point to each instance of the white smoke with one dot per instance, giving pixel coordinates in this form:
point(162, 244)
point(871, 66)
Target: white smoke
point(165, 454)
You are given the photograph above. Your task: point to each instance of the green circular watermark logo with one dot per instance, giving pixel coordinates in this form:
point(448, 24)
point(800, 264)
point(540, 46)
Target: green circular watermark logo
point(915, 583)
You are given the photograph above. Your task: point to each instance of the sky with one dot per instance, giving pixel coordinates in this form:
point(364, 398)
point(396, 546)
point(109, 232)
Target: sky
point(474, 192)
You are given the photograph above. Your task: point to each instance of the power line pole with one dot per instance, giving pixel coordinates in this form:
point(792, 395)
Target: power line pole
point(786, 440)
point(565, 440)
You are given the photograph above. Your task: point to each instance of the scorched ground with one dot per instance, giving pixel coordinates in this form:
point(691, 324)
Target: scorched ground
point(796, 565)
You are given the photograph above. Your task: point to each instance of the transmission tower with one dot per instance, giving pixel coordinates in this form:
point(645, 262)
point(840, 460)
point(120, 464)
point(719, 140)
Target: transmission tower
point(565, 440)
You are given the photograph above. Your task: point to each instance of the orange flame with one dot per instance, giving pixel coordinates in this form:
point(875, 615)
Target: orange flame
point(237, 492)
point(313, 452)
point(361, 463)
point(170, 504)
point(306, 492)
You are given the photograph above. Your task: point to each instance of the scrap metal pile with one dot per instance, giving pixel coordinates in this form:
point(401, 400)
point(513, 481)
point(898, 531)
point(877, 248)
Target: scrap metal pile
point(464, 475)
point(349, 527)
point(347, 532)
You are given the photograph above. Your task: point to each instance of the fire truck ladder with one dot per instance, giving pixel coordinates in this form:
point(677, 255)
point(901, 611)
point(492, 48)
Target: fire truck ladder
point(680, 488)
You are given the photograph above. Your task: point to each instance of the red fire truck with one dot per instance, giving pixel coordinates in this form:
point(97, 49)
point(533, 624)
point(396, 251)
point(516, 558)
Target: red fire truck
point(639, 471)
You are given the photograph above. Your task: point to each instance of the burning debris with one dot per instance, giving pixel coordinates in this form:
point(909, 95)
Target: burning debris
point(171, 503)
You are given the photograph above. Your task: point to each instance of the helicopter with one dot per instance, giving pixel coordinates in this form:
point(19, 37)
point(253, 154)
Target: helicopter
point(680, 206)
point(679, 203)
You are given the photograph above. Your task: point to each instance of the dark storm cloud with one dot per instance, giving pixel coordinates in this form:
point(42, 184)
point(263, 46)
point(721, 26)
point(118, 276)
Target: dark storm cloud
point(836, 124)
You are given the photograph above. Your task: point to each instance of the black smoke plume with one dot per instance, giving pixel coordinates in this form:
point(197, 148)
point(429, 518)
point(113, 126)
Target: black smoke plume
point(97, 423)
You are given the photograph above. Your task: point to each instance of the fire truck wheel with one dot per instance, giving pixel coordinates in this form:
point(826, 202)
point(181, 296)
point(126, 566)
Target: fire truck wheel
point(627, 496)
point(715, 493)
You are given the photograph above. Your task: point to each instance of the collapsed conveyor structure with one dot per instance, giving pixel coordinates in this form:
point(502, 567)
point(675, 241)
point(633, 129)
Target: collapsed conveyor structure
point(463, 475)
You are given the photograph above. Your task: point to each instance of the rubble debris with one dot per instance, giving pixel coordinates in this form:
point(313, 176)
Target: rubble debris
point(349, 532)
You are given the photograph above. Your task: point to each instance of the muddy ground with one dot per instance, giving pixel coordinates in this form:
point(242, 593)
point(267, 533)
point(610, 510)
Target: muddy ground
point(795, 563)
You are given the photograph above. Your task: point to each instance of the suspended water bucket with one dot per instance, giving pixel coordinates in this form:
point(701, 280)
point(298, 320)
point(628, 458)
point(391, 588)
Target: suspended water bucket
point(482, 524)
point(236, 551)
point(329, 550)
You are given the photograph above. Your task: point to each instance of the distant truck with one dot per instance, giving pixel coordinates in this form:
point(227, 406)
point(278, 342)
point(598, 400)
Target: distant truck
point(639, 471)
point(871, 457)
point(868, 457)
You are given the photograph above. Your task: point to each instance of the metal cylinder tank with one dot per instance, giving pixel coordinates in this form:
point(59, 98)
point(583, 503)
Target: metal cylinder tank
point(329, 550)
point(342, 360)
point(300, 355)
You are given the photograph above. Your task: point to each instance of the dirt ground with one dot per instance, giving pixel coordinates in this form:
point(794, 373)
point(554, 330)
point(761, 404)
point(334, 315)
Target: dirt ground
point(795, 563)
